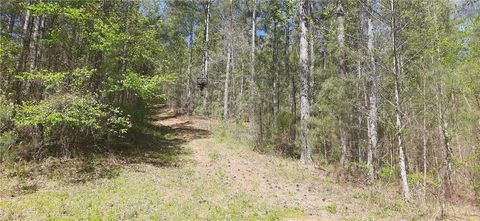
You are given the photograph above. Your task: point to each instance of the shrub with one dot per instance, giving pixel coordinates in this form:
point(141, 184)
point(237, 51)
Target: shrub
point(67, 119)
point(386, 174)
point(7, 136)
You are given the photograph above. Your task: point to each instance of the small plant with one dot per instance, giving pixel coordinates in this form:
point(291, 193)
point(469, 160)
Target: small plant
point(7, 140)
point(415, 179)
point(386, 174)
point(332, 208)
point(214, 156)
point(7, 137)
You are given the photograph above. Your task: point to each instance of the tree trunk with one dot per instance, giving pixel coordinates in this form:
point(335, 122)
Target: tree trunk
point(372, 119)
point(11, 23)
point(341, 39)
point(227, 69)
point(311, 52)
point(424, 138)
point(25, 42)
point(252, 84)
point(342, 70)
point(276, 96)
point(190, 79)
point(242, 88)
point(398, 108)
point(34, 44)
point(306, 154)
point(205, 52)
point(293, 107)
point(446, 144)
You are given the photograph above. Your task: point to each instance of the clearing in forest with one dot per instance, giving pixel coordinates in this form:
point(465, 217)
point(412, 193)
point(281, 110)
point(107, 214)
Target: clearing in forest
point(188, 168)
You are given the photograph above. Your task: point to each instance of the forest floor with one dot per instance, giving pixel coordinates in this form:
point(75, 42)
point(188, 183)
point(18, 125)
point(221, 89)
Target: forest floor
point(188, 168)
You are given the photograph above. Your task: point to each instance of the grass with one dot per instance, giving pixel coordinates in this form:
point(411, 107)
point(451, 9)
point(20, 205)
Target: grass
point(154, 193)
point(161, 176)
point(152, 178)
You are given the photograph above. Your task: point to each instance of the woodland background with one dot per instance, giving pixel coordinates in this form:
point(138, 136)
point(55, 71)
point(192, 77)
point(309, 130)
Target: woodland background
point(380, 90)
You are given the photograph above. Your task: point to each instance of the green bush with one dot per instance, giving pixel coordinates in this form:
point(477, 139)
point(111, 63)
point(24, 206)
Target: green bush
point(7, 137)
point(386, 174)
point(65, 119)
point(7, 140)
point(415, 179)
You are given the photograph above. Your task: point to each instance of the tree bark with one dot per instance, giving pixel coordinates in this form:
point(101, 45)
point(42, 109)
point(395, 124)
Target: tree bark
point(398, 107)
point(190, 67)
point(446, 144)
point(306, 154)
point(34, 44)
point(424, 138)
point(25, 41)
point(311, 52)
point(372, 119)
point(293, 95)
point(341, 39)
point(227, 69)
point(276, 91)
point(11, 23)
point(252, 84)
point(342, 70)
point(205, 52)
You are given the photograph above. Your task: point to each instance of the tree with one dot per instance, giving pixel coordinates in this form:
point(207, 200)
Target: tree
point(372, 119)
point(306, 156)
point(227, 69)
point(398, 107)
point(206, 8)
point(252, 110)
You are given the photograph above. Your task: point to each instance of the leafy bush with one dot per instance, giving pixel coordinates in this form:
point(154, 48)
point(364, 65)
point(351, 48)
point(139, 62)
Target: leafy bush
point(415, 179)
point(5, 112)
point(65, 119)
point(386, 174)
point(7, 137)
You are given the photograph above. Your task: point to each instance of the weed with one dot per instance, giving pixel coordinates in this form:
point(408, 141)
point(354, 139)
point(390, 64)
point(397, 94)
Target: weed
point(332, 208)
point(214, 156)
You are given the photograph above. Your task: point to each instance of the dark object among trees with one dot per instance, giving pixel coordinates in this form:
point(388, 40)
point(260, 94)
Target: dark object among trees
point(202, 82)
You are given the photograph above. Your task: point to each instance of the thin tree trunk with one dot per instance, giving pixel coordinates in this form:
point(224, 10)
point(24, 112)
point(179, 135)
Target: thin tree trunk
point(398, 108)
point(342, 70)
point(205, 52)
point(276, 103)
point(252, 84)
point(306, 153)
point(34, 44)
point(293, 107)
point(448, 191)
point(372, 97)
point(11, 23)
point(242, 87)
point(190, 79)
point(311, 52)
point(225, 93)
point(446, 144)
point(424, 138)
point(227, 69)
point(341, 39)
point(25, 41)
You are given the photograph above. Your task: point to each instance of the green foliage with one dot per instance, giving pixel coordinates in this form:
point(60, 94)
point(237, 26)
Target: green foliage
point(415, 179)
point(71, 115)
point(332, 208)
point(143, 86)
point(49, 80)
point(6, 111)
point(386, 173)
point(7, 136)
